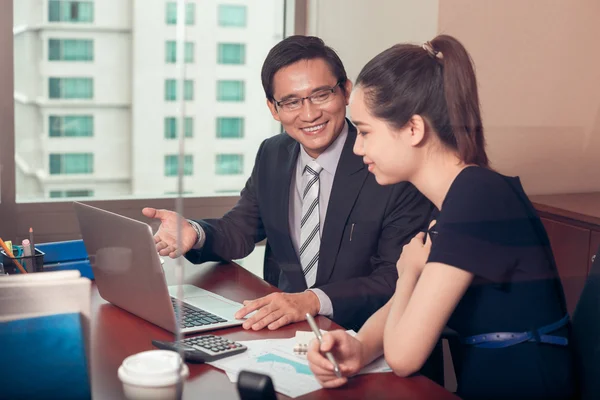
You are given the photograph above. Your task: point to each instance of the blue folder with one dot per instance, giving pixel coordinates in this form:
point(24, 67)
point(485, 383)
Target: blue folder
point(43, 358)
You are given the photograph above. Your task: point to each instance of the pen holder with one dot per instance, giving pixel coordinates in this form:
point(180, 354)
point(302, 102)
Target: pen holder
point(33, 263)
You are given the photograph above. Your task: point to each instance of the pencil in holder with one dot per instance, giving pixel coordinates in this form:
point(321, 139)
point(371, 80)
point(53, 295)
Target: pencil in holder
point(33, 263)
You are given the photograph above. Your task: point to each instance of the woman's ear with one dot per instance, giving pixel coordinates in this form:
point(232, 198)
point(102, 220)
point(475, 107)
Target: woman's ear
point(417, 130)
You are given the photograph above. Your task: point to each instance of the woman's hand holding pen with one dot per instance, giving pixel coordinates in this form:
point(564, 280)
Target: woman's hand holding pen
point(415, 253)
point(347, 351)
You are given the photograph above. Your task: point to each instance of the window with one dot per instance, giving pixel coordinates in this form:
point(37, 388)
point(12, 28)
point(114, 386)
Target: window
point(70, 50)
point(171, 14)
point(230, 164)
point(232, 15)
point(71, 163)
point(231, 53)
point(190, 13)
point(188, 90)
point(71, 126)
point(171, 52)
point(230, 127)
point(82, 83)
point(171, 127)
point(70, 11)
point(71, 193)
point(171, 90)
point(71, 88)
point(188, 127)
point(189, 52)
point(230, 91)
point(172, 164)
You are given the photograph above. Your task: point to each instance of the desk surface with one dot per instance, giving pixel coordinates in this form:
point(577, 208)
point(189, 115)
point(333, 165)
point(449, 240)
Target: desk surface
point(117, 334)
point(576, 206)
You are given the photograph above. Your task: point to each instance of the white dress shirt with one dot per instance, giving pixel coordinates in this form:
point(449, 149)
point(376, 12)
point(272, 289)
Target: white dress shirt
point(329, 160)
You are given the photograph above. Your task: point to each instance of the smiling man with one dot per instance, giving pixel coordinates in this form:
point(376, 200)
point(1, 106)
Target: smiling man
point(333, 234)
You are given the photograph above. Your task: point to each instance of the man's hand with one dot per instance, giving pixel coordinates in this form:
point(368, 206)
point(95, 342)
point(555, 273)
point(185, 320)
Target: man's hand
point(166, 236)
point(279, 309)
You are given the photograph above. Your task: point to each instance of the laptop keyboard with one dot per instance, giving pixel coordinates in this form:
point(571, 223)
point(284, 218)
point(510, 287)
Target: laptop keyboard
point(193, 317)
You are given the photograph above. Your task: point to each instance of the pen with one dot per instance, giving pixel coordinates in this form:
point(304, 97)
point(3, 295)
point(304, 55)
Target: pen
point(27, 256)
point(31, 243)
point(328, 354)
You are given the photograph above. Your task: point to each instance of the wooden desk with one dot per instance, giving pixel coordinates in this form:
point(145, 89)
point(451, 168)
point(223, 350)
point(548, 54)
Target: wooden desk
point(573, 225)
point(117, 334)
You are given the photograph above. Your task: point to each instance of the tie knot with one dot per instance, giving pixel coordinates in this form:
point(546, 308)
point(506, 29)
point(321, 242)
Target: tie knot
point(313, 168)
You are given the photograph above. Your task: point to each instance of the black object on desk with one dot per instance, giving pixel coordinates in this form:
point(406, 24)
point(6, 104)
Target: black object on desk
point(201, 349)
point(254, 386)
point(33, 263)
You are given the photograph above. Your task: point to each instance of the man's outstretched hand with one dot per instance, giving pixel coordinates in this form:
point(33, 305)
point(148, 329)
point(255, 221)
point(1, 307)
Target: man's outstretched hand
point(166, 236)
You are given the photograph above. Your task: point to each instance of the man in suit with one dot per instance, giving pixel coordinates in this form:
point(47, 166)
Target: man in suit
point(333, 234)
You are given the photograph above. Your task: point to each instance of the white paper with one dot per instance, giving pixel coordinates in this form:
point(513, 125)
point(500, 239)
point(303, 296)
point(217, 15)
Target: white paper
point(289, 371)
point(274, 357)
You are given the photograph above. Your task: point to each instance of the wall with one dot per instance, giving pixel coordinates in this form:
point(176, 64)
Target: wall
point(536, 65)
point(538, 74)
point(358, 30)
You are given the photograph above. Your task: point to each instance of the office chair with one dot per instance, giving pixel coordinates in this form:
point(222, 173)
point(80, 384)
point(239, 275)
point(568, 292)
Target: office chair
point(586, 334)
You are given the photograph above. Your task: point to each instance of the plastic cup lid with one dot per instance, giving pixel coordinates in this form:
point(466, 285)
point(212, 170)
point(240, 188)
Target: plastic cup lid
point(153, 368)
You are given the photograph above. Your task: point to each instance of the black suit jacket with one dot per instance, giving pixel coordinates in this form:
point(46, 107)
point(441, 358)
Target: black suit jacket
point(363, 233)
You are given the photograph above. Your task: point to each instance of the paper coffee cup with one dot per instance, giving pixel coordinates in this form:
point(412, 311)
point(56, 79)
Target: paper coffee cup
point(152, 375)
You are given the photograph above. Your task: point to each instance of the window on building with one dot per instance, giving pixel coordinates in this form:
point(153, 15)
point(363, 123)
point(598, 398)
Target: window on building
point(54, 194)
point(230, 91)
point(190, 13)
point(230, 164)
point(232, 15)
point(71, 125)
point(71, 88)
point(171, 90)
point(81, 83)
point(230, 127)
point(172, 164)
point(188, 127)
point(70, 50)
point(171, 127)
point(171, 52)
point(71, 163)
point(70, 11)
point(171, 13)
point(188, 90)
point(231, 53)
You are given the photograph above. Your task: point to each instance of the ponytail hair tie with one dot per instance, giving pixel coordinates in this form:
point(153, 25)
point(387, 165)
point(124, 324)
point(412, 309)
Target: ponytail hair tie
point(427, 46)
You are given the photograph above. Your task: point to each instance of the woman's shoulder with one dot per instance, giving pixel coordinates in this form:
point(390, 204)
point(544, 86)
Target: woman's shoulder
point(479, 191)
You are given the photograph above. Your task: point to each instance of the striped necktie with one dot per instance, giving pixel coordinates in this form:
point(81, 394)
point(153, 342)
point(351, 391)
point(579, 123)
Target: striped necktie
point(310, 237)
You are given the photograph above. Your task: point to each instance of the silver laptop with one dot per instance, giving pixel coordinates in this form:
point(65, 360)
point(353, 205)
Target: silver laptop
point(129, 274)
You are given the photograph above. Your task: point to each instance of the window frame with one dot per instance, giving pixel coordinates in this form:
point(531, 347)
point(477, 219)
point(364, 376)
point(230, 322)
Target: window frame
point(54, 220)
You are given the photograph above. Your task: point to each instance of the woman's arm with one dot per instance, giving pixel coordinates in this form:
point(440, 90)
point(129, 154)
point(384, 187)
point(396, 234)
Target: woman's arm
point(419, 311)
point(371, 334)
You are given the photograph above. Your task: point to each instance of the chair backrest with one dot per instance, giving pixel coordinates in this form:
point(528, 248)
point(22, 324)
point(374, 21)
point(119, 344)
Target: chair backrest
point(586, 333)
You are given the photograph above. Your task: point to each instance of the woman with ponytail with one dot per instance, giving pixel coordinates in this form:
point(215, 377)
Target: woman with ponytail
point(484, 269)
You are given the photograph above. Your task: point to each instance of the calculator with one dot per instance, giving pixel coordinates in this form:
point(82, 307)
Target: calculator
point(205, 348)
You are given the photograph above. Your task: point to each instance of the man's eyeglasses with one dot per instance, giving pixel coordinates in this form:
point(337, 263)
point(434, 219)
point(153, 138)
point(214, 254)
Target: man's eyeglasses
point(317, 98)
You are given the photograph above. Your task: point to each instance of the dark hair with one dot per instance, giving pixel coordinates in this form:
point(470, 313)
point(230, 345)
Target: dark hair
point(295, 48)
point(436, 81)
